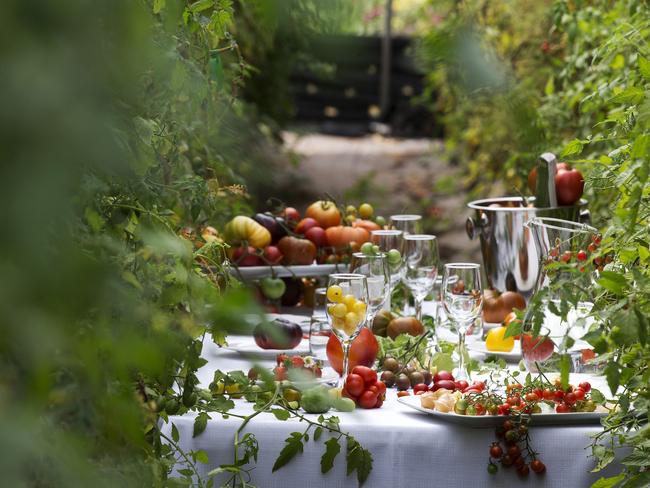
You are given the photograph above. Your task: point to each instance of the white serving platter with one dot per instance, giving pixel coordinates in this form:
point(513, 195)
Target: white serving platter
point(487, 421)
point(512, 356)
point(249, 273)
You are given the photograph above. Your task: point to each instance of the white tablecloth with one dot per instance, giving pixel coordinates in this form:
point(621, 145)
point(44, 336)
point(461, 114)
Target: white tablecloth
point(408, 448)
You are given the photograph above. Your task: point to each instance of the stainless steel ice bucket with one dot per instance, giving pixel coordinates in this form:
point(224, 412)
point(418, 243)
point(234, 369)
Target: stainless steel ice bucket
point(510, 258)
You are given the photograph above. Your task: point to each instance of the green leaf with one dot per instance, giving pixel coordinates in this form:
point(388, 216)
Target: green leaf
point(317, 433)
point(641, 147)
point(293, 446)
point(175, 434)
point(158, 6)
point(597, 396)
point(200, 423)
point(631, 95)
point(442, 361)
point(640, 480)
point(644, 67)
point(603, 456)
point(608, 482)
point(572, 148)
point(280, 413)
point(332, 449)
point(637, 458)
point(94, 220)
point(201, 456)
point(613, 375)
point(612, 281)
point(201, 5)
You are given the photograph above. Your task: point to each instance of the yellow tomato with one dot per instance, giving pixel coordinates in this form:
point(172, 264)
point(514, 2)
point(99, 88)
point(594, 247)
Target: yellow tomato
point(338, 323)
point(351, 319)
point(349, 301)
point(338, 310)
point(366, 211)
point(334, 293)
point(496, 340)
point(359, 308)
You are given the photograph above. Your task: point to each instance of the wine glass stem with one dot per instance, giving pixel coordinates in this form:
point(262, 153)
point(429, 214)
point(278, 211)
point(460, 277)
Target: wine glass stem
point(346, 362)
point(462, 371)
point(418, 308)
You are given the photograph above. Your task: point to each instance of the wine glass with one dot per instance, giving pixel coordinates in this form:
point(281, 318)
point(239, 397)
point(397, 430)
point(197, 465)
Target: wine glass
point(462, 298)
point(421, 267)
point(407, 223)
point(347, 306)
point(390, 242)
point(375, 268)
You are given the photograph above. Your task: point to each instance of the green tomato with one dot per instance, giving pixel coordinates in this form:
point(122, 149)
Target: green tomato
point(471, 410)
point(375, 249)
point(379, 220)
point(394, 256)
point(171, 406)
point(315, 400)
point(272, 288)
point(344, 404)
point(367, 248)
point(461, 406)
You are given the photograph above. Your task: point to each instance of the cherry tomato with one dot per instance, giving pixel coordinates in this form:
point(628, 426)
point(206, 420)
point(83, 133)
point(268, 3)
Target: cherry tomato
point(537, 466)
point(297, 361)
point(368, 399)
point(471, 410)
point(539, 392)
point(566, 256)
point(579, 393)
point(558, 395)
point(507, 461)
point(513, 386)
point(496, 451)
point(461, 385)
point(479, 385)
point(548, 394)
point(369, 375)
point(492, 468)
point(381, 388)
point(582, 255)
point(562, 408)
point(379, 403)
point(513, 400)
point(585, 386)
point(514, 451)
point(442, 375)
point(523, 470)
point(512, 436)
point(532, 397)
point(570, 398)
point(592, 247)
point(403, 393)
point(354, 384)
point(281, 358)
point(507, 425)
point(420, 387)
point(480, 409)
point(504, 409)
point(519, 462)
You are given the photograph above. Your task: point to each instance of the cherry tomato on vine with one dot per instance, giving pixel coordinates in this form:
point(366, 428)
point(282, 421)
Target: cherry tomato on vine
point(548, 394)
point(582, 255)
point(539, 392)
point(381, 387)
point(513, 400)
point(514, 451)
point(570, 398)
point(369, 375)
point(461, 385)
point(508, 425)
point(512, 436)
point(562, 408)
point(492, 468)
point(504, 409)
point(523, 470)
point(420, 387)
point(537, 466)
point(519, 462)
point(496, 451)
point(566, 256)
point(558, 395)
point(579, 393)
point(585, 386)
point(532, 397)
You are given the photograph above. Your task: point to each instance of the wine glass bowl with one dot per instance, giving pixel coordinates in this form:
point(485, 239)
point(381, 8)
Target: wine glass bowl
point(347, 308)
point(421, 263)
point(462, 298)
point(407, 223)
point(390, 242)
point(375, 268)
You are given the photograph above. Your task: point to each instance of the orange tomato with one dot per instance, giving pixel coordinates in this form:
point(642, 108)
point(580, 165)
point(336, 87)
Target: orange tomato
point(369, 225)
point(325, 213)
point(363, 351)
point(341, 236)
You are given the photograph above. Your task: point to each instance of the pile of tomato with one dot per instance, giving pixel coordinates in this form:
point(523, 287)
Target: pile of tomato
point(362, 386)
point(306, 364)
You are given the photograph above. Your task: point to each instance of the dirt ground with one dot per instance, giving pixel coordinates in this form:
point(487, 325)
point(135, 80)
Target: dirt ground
point(395, 175)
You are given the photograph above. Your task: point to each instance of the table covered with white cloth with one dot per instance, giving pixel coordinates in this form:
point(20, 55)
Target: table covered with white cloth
point(408, 448)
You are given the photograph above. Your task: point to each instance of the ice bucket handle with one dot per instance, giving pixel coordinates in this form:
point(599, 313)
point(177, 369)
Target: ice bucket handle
point(473, 228)
point(585, 216)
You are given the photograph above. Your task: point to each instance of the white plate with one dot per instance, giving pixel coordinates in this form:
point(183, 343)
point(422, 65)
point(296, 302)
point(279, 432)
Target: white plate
point(512, 356)
point(249, 273)
point(485, 421)
point(246, 346)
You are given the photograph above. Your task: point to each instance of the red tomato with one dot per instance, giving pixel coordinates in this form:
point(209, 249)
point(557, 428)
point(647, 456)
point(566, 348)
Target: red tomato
point(570, 398)
point(548, 394)
point(558, 395)
point(513, 400)
point(537, 466)
point(368, 399)
point(442, 375)
point(290, 214)
point(539, 392)
point(446, 384)
point(403, 393)
point(354, 384)
point(305, 224)
point(297, 361)
point(479, 385)
point(318, 236)
point(369, 375)
point(531, 397)
point(461, 385)
point(585, 386)
point(420, 387)
point(504, 409)
point(562, 408)
point(579, 393)
point(373, 389)
point(569, 185)
point(480, 409)
point(280, 373)
point(246, 256)
point(381, 387)
point(582, 256)
point(363, 351)
point(281, 358)
point(380, 402)
point(272, 254)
